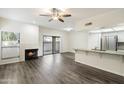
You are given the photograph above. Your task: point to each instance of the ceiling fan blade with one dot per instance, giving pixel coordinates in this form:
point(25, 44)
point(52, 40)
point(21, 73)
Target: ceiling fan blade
point(60, 19)
point(66, 15)
point(50, 20)
point(45, 15)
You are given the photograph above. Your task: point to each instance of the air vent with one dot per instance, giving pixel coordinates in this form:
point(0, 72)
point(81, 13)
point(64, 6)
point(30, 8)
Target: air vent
point(88, 24)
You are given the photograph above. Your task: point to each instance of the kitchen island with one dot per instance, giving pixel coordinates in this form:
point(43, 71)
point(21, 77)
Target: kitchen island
point(112, 61)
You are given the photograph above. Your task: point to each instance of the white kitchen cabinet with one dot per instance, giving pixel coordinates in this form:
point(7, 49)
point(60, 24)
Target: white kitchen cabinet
point(121, 36)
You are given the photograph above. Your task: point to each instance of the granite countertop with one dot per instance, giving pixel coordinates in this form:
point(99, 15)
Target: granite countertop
point(121, 53)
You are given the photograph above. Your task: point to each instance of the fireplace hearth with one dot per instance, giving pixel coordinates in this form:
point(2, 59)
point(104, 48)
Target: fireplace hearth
point(31, 54)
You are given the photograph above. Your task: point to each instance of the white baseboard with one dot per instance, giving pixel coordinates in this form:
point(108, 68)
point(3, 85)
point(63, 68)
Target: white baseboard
point(10, 61)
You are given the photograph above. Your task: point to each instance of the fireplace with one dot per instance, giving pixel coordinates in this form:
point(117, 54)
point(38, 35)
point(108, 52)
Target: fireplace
point(31, 54)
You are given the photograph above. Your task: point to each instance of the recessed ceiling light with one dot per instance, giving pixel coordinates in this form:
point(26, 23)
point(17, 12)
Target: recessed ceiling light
point(95, 31)
point(68, 29)
point(102, 30)
point(120, 24)
point(55, 18)
point(117, 28)
point(107, 30)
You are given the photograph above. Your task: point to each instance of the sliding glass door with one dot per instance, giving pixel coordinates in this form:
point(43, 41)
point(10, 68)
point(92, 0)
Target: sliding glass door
point(51, 45)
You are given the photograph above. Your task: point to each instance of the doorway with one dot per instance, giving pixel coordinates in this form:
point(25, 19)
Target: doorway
point(51, 45)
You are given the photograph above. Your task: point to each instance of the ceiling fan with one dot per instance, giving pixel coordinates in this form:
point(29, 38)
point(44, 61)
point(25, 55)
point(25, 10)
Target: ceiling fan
point(56, 14)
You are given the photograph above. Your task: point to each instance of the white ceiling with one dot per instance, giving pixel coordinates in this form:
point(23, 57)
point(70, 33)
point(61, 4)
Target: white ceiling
point(31, 15)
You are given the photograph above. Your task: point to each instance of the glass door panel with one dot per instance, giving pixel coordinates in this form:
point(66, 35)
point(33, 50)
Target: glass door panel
point(47, 45)
point(56, 44)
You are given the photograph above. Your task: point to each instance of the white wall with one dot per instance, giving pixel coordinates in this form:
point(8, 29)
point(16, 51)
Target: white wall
point(52, 32)
point(94, 40)
point(78, 40)
point(29, 35)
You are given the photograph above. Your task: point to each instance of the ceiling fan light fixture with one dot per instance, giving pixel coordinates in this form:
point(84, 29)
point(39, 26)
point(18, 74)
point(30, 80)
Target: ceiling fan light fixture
point(57, 14)
point(68, 29)
point(55, 18)
point(62, 9)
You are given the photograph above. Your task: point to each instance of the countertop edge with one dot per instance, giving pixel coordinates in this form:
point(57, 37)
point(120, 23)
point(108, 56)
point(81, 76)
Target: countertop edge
point(102, 52)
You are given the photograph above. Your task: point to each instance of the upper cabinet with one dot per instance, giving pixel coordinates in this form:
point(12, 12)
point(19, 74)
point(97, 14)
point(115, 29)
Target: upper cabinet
point(121, 36)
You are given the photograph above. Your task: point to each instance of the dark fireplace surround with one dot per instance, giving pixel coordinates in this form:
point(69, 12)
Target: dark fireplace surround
point(31, 54)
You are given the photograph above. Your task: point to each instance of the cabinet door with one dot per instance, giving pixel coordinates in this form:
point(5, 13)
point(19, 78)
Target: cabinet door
point(121, 36)
point(104, 43)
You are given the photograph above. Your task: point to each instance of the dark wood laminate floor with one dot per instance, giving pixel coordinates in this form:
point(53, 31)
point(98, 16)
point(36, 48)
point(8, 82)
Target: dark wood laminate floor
point(55, 69)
